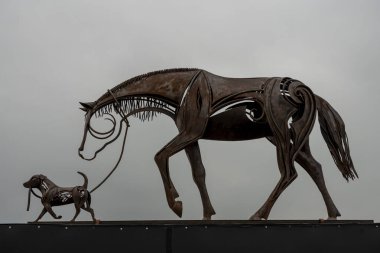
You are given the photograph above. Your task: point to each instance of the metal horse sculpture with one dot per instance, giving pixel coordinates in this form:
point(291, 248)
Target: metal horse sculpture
point(207, 106)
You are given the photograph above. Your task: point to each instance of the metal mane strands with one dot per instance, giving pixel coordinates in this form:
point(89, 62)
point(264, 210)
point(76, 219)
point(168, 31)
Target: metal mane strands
point(131, 104)
point(140, 77)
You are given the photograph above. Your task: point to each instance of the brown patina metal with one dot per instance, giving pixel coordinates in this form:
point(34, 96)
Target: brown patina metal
point(53, 195)
point(207, 106)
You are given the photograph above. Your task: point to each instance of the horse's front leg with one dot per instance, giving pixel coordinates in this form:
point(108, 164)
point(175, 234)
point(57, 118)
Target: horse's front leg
point(199, 175)
point(162, 159)
point(191, 120)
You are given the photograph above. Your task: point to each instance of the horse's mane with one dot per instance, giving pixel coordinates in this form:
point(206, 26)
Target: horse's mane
point(138, 102)
point(146, 75)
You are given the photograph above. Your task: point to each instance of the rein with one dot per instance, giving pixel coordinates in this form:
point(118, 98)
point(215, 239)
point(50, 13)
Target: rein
point(29, 193)
point(124, 119)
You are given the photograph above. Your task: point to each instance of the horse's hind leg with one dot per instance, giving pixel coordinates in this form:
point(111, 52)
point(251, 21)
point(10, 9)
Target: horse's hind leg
point(199, 176)
point(314, 168)
point(291, 118)
point(288, 174)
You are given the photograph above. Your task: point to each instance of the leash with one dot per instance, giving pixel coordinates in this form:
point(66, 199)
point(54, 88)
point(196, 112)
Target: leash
point(124, 118)
point(29, 193)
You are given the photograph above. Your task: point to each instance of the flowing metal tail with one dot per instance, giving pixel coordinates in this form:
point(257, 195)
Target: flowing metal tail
point(334, 133)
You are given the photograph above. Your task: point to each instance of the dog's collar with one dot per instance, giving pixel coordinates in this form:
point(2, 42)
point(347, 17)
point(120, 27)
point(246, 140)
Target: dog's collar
point(43, 183)
point(45, 186)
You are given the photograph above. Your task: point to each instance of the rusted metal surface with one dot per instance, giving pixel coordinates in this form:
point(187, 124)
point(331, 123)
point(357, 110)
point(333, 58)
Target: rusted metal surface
point(53, 195)
point(207, 106)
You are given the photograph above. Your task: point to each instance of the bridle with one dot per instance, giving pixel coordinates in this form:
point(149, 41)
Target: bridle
point(124, 119)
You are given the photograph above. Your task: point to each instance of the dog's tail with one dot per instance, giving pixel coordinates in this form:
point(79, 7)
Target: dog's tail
point(85, 184)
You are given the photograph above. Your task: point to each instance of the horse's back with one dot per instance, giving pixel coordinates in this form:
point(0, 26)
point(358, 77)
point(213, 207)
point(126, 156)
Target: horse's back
point(224, 87)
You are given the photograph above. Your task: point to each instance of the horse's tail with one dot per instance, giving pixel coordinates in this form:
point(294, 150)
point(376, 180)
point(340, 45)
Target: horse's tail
point(333, 131)
point(85, 184)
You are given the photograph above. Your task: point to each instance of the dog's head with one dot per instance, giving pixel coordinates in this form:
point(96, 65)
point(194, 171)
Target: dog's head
point(35, 181)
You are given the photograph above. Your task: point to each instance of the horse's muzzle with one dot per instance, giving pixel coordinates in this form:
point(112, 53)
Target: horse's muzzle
point(79, 152)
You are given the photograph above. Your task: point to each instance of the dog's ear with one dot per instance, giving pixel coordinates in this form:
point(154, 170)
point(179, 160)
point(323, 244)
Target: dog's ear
point(35, 177)
point(42, 177)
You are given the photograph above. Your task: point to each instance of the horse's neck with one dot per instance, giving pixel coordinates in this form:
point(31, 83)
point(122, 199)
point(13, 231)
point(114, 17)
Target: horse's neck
point(168, 85)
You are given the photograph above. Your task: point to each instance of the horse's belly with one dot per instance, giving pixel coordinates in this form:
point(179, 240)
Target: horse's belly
point(234, 125)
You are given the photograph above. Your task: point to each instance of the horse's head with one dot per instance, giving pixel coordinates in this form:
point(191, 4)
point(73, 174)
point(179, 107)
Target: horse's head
point(101, 109)
point(89, 109)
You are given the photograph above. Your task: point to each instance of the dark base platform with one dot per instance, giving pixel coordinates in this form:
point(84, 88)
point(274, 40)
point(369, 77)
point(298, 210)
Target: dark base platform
point(192, 236)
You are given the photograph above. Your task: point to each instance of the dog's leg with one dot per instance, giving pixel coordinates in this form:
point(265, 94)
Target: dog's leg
point(41, 214)
point(77, 211)
point(48, 208)
point(91, 211)
point(87, 207)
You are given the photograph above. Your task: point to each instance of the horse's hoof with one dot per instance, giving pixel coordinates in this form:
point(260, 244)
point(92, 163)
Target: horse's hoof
point(177, 208)
point(256, 217)
point(59, 217)
point(174, 192)
point(208, 215)
point(331, 218)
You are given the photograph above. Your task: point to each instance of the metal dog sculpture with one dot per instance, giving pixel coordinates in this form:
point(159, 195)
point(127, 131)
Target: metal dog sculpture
point(53, 195)
point(207, 106)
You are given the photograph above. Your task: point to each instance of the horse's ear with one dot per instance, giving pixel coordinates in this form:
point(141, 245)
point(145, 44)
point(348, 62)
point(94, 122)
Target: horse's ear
point(88, 105)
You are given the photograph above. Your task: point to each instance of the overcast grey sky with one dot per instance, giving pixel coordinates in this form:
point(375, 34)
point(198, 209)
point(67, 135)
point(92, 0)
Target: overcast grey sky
point(54, 54)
